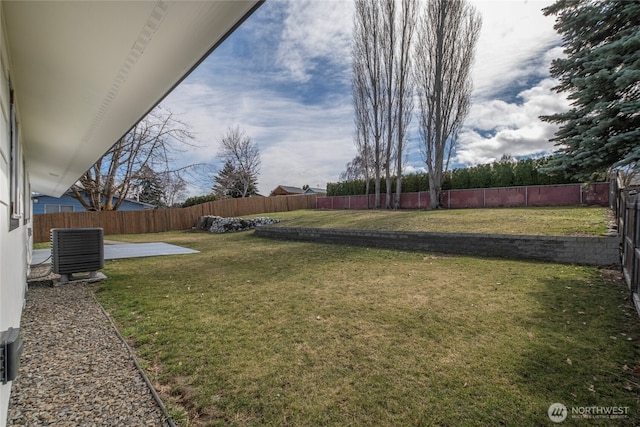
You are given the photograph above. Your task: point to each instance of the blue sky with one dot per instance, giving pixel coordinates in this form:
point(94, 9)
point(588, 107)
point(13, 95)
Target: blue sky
point(284, 78)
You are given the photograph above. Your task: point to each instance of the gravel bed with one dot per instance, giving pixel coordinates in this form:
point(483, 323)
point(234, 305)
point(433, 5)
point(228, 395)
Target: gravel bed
point(75, 370)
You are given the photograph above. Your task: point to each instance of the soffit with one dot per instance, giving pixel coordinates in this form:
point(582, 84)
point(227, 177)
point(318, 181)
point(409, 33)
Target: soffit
point(84, 72)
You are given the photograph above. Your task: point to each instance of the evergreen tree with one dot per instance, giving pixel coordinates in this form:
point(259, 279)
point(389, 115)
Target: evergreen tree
point(503, 174)
point(239, 177)
point(601, 75)
point(460, 178)
point(150, 189)
point(525, 173)
point(230, 182)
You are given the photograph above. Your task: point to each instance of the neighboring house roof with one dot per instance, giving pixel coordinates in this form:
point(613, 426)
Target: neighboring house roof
point(84, 73)
point(285, 189)
point(312, 190)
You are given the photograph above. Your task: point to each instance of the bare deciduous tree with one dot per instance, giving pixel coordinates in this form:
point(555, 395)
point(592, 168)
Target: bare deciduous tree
point(381, 85)
point(388, 51)
point(403, 86)
point(175, 188)
point(241, 152)
point(358, 168)
point(367, 84)
point(364, 164)
point(149, 145)
point(447, 37)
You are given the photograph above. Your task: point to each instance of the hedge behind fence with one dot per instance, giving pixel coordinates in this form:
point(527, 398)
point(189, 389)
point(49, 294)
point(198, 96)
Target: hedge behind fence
point(497, 174)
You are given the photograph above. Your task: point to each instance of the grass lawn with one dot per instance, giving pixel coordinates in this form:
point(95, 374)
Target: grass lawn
point(561, 221)
point(260, 332)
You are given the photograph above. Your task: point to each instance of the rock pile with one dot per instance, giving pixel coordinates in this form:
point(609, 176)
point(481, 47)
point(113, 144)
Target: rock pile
point(218, 224)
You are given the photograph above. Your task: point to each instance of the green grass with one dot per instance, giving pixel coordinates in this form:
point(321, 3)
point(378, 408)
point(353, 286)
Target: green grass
point(254, 332)
point(561, 221)
point(539, 221)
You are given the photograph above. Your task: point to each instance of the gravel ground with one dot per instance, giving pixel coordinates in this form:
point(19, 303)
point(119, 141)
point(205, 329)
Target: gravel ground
point(75, 370)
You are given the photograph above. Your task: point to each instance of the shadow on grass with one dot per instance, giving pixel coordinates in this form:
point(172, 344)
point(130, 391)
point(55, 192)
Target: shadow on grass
point(584, 353)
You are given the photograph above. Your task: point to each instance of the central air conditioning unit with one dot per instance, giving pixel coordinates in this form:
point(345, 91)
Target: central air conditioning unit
point(77, 250)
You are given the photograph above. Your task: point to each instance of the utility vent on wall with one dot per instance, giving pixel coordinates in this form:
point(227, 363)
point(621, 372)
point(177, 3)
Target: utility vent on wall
point(77, 250)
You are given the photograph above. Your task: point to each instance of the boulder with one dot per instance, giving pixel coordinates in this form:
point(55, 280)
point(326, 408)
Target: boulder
point(218, 224)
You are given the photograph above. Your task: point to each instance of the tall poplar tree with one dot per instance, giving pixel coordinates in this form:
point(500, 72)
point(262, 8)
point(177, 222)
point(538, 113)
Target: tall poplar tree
point(367, 85)
point(382, 87)
point(447, 36)
point(403, 85)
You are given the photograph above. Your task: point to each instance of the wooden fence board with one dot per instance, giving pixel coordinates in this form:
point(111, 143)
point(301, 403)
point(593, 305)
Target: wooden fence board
point(626, 204)
point(158, 220)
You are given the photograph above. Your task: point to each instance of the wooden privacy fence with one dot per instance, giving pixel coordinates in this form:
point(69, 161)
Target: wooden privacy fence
point(628, 213)
point(158, 220)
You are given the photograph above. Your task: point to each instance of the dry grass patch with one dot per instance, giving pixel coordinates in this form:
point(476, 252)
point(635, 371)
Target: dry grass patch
point(538, 221)
point(257, 332)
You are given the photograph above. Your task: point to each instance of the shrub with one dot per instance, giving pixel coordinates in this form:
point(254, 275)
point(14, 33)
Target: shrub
point(503, 173)
point(198, 200)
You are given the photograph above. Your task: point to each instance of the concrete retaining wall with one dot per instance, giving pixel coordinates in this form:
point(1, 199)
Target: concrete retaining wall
point(561, 249)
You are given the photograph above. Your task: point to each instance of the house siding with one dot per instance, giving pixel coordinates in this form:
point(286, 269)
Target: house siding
point(41, 201)
point(95, 118)
point(14, 244)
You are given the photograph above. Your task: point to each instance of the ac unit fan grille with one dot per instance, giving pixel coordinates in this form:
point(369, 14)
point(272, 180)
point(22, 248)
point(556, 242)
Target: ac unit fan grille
point(77, 250)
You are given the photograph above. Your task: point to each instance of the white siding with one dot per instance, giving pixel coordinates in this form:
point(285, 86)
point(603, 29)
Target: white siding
point(14, 246)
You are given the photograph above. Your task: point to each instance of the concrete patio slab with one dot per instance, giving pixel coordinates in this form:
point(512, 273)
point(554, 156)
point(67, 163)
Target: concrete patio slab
point(123, 250)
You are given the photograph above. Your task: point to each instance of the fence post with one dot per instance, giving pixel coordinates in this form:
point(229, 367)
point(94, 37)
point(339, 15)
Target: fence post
point(580, 189)
point(635, 236)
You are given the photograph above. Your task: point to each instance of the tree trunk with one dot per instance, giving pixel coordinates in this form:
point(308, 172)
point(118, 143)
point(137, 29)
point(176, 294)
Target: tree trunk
point(450, 29)
point(387, 202)
point(377, 190)
point(435, 184)
point(396, 204)
point(366, 191)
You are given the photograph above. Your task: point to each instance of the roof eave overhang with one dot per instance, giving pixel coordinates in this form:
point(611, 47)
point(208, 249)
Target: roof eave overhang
point(84, 73)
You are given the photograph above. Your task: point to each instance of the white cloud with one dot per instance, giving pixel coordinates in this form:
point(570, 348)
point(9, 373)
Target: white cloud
point(308, 145)
point(516, 128)
point(513, 34)
point(315, 30)
point(411, 169)
point(299, 144)
point(516, 46)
